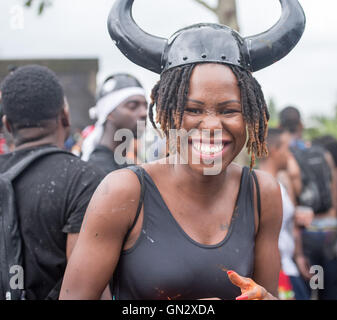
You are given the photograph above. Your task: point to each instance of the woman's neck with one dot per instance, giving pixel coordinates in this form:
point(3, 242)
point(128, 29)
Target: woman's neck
point(197, 185)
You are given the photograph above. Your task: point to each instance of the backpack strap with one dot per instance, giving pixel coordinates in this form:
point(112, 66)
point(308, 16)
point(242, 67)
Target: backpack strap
point(139, 171)
point(18, 168)
point(11, 238)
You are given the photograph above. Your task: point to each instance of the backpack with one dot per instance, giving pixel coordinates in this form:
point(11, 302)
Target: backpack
point(316, 178)
point(10, 237)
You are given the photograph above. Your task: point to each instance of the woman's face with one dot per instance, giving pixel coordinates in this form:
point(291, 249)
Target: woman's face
point(213, 111)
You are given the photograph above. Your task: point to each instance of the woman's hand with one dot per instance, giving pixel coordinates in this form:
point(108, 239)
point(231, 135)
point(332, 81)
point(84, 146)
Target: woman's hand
point(249, 289)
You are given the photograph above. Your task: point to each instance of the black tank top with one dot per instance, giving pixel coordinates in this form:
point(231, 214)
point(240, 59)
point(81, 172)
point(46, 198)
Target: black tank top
point(165, 263)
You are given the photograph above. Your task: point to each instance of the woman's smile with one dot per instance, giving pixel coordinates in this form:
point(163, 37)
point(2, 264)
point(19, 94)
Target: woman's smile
point(209, 150)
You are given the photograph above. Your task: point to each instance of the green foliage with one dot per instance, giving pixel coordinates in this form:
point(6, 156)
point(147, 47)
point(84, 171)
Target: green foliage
point(41, 6)
point(322, 125)
point(273, 121)
point(319, 125)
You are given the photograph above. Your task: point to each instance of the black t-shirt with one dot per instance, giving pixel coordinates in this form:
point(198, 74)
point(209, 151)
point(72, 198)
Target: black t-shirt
point(103, 158)
point(51, 197)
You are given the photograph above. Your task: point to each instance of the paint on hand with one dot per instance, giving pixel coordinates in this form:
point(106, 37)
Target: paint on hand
point(249, 289)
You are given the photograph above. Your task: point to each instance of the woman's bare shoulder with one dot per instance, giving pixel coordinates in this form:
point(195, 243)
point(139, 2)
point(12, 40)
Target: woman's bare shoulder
point(116, 198)
point(119, 182)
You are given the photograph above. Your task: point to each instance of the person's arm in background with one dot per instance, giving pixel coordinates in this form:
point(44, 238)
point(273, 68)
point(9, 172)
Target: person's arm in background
point(283, 177)
point(294, 174)
point(299, 257)
point(331, 163)
point(300, 220)
point(334, 189)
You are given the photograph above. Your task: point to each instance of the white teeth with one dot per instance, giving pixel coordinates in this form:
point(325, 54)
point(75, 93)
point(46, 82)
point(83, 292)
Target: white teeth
point(207, 148)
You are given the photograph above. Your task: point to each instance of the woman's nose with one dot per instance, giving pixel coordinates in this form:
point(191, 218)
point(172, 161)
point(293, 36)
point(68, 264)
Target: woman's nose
point(211, 122)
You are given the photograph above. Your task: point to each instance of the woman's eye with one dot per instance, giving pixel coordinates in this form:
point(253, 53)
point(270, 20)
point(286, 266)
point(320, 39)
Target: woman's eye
point(195, 111)
point(229, 111)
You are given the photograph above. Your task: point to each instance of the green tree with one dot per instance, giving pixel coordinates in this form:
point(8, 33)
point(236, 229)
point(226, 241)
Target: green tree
point(225, 11)
point(322, 125)
point(274, 114)
point(42, 4)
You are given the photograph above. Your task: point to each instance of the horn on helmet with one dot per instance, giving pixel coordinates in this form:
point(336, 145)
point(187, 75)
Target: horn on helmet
point(137, 45)
point(274, 44)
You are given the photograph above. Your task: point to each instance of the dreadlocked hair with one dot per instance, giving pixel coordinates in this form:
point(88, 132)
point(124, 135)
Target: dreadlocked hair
point(169, 96)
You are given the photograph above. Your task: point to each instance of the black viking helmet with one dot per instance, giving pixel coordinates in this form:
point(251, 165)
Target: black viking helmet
point(206, 42)
point(117, 82)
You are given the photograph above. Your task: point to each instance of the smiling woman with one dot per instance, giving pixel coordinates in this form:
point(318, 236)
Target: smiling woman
point(168, 230)
point(212, 81)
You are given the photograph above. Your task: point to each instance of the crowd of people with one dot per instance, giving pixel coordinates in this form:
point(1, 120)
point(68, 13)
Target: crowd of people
point(92, 218)
point(308, 233)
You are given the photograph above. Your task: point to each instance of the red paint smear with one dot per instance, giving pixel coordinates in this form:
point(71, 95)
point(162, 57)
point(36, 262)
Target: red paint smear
point(162, 293)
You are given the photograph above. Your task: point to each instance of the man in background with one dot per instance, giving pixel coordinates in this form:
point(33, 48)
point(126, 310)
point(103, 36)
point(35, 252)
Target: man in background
point(3, 147)
point(52, 194)
point(121, 104)
point(317, 191)
point(290, 245)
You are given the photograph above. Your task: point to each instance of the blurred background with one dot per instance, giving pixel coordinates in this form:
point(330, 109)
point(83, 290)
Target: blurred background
point(71, 38)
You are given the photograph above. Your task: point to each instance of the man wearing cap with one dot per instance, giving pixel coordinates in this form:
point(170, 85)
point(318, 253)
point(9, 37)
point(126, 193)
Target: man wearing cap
point(120, 105)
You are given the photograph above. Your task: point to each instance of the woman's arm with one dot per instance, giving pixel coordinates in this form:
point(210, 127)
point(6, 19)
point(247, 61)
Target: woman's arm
point(267, 265)
point(267, 257)
point(109, 216)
